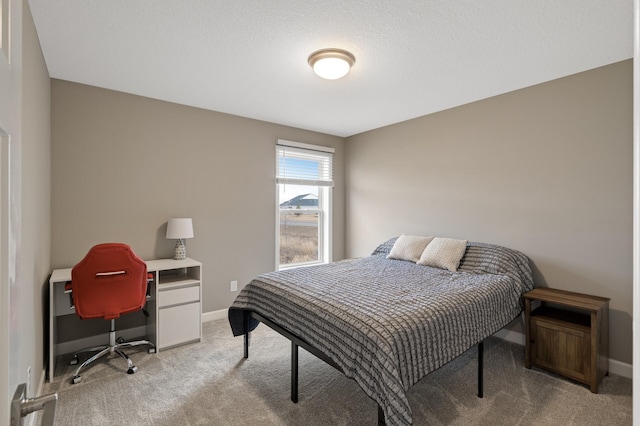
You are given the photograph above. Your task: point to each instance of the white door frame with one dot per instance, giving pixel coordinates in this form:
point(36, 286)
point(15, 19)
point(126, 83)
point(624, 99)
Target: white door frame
point(636, 215)
point(5, 391)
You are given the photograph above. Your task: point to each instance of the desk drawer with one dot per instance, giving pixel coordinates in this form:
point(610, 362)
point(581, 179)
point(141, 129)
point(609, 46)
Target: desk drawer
point(179, 324)
point(178, 296)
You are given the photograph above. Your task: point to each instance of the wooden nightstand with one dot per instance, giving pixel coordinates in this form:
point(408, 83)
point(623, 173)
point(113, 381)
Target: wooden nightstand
point(568, 334)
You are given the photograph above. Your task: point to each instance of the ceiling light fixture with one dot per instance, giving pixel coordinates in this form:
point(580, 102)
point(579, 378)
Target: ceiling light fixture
point(331, 64)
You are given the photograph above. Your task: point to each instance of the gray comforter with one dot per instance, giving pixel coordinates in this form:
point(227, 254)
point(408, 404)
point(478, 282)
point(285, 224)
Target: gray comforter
point(388, 323)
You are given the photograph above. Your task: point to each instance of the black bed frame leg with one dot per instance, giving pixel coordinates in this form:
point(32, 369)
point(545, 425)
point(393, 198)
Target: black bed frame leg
point(380, 416)
point(480, 367)
point(294, 372)
point(246, 333)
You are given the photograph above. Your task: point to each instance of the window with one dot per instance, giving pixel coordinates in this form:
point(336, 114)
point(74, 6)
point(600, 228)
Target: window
point(304, 180)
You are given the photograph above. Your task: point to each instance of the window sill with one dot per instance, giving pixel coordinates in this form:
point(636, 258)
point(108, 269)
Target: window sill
point(300, 265)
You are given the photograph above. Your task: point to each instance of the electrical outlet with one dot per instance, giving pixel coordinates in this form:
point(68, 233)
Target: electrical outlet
point(234, 285)
point(28, 380)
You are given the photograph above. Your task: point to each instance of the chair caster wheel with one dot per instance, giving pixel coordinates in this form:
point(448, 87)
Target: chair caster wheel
point(76, 379)
point(74, 360)
point(120, 340)
point(132, 370)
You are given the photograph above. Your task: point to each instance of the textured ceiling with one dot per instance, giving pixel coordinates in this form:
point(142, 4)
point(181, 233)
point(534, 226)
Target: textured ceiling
point(249, 58)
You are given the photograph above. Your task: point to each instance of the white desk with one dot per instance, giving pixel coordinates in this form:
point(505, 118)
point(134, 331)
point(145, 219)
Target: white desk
point(174, 306)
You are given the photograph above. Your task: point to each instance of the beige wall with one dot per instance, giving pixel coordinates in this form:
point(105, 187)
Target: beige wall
point(546, 170)
point(123, 165)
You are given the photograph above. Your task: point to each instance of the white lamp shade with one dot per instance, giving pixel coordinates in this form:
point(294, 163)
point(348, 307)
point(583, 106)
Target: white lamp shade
point(331, 68)
point(178, 228)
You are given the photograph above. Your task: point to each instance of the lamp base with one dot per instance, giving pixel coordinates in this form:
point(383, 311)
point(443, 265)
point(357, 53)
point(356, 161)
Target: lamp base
point(181, 250)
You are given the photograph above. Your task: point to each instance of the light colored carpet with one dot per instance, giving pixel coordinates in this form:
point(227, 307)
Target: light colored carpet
point(209, 383)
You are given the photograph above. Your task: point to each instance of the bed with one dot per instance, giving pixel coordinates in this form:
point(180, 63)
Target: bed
point(387, 323)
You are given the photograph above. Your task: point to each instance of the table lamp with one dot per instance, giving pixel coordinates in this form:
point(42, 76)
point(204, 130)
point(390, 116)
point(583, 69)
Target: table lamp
point(180, 228)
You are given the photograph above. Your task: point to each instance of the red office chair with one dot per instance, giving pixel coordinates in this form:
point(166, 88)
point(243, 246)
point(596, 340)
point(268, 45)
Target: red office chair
point(111, 280)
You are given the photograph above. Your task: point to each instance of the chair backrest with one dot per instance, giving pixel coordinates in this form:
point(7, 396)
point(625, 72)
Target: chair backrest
point(111, 280)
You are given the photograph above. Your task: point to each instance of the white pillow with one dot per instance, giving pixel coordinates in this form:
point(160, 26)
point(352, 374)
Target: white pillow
point(409, 247)
point(444, 253)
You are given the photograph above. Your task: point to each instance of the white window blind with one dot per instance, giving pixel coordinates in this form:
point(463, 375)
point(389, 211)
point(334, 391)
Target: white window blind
point(304, 166)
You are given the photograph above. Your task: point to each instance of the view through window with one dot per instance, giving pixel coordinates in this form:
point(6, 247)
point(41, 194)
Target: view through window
point(304, 180)
point(299, 225)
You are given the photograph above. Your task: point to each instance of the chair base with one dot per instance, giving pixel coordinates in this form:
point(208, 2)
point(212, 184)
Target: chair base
point(113, 347)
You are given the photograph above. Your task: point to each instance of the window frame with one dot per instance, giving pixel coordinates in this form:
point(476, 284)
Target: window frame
point(324, 210)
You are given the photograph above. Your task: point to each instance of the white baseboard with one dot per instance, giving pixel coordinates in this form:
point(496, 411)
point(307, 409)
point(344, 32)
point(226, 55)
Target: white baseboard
point(31, 419)
point(510, 336)
point(214, 315)
point(615, 367)
point(620, 368)
point(43, 376)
